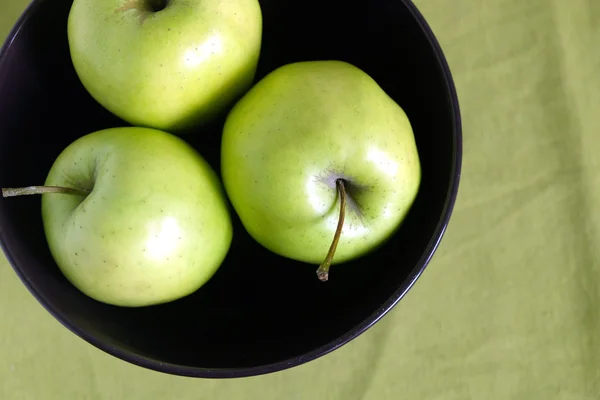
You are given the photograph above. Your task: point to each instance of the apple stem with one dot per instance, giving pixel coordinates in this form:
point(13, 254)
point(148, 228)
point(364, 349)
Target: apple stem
point(323, 271)
point(24, 191)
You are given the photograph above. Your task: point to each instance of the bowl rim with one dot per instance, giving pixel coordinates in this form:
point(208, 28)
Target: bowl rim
point(210, 373)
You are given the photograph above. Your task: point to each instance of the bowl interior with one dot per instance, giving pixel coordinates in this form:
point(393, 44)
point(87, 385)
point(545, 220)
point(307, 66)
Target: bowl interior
point(259, 309)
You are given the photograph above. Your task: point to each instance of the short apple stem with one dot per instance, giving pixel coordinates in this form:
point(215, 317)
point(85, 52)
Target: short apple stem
point(323, 271)
point(30, 190)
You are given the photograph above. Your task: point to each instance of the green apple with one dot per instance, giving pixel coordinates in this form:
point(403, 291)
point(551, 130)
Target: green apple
point(166, 64)
point(307, 138)
point(134, 216)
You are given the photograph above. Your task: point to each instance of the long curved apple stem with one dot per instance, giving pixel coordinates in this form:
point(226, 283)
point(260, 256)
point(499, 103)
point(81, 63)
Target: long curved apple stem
point(30, 190)
point(323, 271)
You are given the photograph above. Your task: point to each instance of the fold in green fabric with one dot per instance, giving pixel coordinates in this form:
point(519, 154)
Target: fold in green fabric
point(509, 308)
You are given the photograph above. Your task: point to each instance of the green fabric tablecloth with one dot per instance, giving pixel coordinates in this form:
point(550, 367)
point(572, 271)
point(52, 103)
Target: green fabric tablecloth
point(509, 308)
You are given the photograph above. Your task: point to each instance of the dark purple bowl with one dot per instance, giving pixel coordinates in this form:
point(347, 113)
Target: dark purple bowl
point(259, 314)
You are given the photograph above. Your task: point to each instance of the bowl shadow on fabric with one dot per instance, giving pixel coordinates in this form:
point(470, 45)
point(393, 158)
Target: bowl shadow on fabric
point(260, 312)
